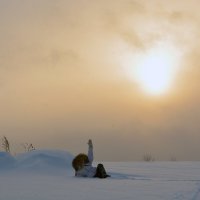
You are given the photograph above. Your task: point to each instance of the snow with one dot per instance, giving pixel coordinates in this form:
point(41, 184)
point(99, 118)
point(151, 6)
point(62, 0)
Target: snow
point(44, 160)
point(48, 175)
point(6, 161)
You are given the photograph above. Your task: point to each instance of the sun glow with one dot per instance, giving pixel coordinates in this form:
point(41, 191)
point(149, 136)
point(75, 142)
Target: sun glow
point(155, 69)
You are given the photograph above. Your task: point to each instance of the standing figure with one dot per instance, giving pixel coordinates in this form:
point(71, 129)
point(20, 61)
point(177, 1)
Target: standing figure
point(82, 165)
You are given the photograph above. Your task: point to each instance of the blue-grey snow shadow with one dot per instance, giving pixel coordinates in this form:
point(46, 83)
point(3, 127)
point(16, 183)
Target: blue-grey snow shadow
point(6, 161)
point(120, 176)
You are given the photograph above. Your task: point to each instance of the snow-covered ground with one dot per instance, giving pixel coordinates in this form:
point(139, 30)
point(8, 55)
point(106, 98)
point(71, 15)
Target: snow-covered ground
point(47, 175)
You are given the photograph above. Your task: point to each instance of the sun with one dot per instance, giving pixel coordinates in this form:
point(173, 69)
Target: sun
point(156, 69)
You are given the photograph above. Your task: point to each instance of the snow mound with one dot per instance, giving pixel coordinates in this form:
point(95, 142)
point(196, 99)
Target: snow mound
point(44, 160)
point(6, 160)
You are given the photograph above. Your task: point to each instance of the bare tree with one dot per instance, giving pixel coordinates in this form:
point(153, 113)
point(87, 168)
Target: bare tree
point(5, 144)
point(173, 158)
point(148, 157)
point(28, 147)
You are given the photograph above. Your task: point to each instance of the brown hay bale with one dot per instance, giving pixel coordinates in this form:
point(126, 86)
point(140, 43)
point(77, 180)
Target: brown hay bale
point(79, 161)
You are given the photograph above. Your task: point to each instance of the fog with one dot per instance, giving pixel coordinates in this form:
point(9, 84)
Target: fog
point(62, 80)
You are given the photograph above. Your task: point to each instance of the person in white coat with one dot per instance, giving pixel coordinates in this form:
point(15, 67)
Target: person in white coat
point(83, 165)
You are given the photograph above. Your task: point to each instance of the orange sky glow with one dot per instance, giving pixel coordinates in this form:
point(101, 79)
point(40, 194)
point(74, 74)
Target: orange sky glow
point(124, 73)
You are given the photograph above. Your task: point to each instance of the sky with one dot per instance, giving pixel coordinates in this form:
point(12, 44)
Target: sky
point(67, 75)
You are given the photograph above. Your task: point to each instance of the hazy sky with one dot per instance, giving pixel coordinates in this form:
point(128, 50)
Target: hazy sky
point(66, 76)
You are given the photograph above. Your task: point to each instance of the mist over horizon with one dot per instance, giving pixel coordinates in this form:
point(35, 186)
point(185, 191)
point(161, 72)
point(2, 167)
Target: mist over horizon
point(66, 76)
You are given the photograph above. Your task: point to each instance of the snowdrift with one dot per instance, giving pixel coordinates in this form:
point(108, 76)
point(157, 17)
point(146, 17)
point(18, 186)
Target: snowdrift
point(6, 161)
point(37, 160)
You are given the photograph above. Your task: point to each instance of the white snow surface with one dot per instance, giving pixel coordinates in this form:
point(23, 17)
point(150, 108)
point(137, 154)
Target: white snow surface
point(44, 160)
point(48, 175)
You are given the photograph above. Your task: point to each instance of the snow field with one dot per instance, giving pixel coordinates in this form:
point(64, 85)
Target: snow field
point(47, 175)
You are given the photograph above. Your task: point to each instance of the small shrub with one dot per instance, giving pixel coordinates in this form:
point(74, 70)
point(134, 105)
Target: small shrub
point(148, 157)
point(173, 158)
point(28, 147)
point(5, 144)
